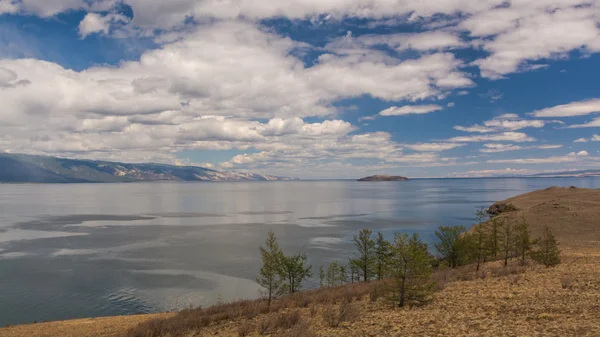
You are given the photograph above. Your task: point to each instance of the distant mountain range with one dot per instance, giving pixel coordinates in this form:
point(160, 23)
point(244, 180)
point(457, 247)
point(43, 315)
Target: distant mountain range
point(380, 177)
point(20, 168)
point(581, 173)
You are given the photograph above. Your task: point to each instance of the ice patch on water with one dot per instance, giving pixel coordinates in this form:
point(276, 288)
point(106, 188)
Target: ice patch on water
point(311, 224)
point(23, 234)
point(64, 251)
point(111, 250)
point(14, 255)
point(326, 241)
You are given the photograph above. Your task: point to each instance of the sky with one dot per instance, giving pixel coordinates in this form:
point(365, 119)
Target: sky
point(306, 88)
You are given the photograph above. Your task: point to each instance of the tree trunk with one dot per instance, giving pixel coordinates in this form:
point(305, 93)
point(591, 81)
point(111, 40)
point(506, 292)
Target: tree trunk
point(402, 291)
point(270, 294)
point(547, 254)
point(506, 245)
point(479, 249)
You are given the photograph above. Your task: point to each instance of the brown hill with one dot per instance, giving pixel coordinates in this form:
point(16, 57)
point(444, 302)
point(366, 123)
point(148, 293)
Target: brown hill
point(573, 214)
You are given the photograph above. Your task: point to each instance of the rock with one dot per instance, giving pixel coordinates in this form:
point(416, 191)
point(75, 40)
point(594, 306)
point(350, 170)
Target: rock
point(501, 207)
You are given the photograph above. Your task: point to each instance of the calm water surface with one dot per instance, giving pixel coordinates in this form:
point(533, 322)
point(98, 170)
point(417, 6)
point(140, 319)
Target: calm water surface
point(83, 250)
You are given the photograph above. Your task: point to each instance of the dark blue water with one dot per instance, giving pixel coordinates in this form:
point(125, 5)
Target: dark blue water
point(69, 251)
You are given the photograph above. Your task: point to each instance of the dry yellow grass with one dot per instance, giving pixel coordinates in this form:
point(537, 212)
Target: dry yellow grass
point(560, 301)
point(534, 303)
point(573, 214)
point(88, 327)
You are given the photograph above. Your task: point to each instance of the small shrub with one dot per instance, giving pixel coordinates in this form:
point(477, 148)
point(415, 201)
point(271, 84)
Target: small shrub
point(263, 326)
point(499, 208)
point(251, 313)
point(287, 320)
point(348, 296)
point(302, 301)
point(205, 321)
point(346, 312)
point(313, 310)
point(302, 329)
point(323, 297)
point(441, 280)
point(244, 329)
point(514, 279)
point(524, 263)
point(263, 308)
point(330, 316)
point(566, 282)
point(377, 291)
point(512, 269)
point(275, 307)
point(443, 276)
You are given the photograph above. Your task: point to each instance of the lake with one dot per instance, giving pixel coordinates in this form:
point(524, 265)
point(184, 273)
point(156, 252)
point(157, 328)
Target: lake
point(85, 250)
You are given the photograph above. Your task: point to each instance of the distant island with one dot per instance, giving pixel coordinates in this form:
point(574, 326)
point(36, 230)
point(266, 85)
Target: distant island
point(21, 168)
point(383, 178)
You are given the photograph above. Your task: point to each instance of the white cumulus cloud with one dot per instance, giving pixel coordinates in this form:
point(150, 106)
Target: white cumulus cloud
point(499, 137)
point(410, 109)
point(580, 108)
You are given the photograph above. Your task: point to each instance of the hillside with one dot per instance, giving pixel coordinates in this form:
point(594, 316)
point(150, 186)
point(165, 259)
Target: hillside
point(573, 214)
point(521, 300)
point(20, 168)
point(579, 173)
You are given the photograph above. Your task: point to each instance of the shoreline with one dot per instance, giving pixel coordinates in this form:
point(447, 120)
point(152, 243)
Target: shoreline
point(577, 233)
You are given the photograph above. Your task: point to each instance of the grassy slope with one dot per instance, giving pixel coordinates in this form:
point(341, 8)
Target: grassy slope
point(561, 301)
point(573, 214)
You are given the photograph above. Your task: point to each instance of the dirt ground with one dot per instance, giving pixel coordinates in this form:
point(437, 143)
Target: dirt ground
point(559, 301)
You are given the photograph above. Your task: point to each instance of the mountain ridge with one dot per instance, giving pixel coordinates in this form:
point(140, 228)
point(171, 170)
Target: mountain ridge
point(383, 177)
point(23, 168)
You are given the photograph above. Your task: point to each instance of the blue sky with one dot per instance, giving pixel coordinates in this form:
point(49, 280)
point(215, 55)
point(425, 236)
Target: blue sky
point(312, 89)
